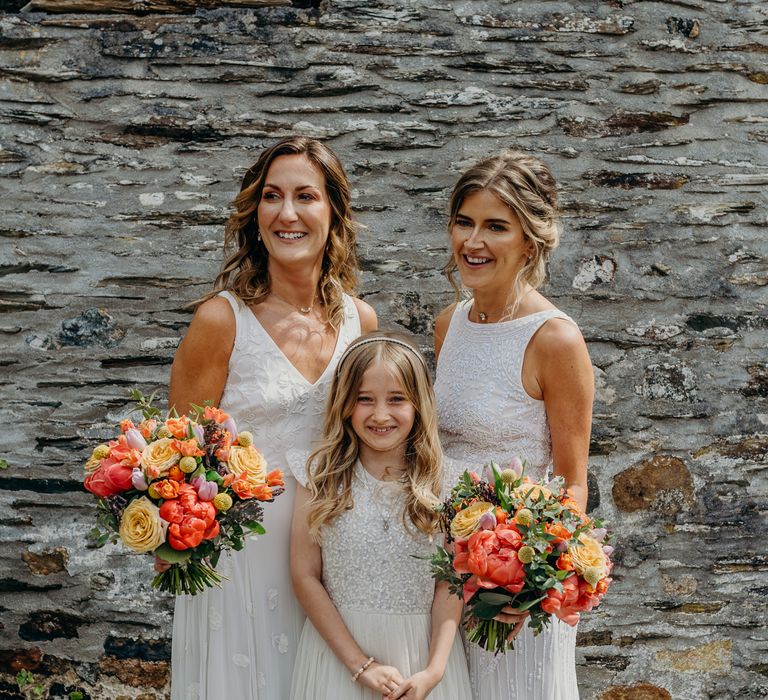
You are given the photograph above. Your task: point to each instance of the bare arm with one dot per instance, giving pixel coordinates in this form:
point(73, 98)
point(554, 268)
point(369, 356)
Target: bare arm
point(368, 320)
point(306, 573)
point(199, 370)
point(567, 385)
point(442, 322)
point(446, 613)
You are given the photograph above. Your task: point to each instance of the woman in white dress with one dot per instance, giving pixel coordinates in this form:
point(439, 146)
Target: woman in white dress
point(264, 347)
point(362, 518)
point(514, 379)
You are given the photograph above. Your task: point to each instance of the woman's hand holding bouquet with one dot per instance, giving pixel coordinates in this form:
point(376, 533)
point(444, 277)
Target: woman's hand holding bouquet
point(183, 488)
point(521, 545)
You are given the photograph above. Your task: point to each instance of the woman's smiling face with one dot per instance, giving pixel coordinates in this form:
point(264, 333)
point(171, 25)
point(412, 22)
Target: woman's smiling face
point(294, 213)
point(488, 243)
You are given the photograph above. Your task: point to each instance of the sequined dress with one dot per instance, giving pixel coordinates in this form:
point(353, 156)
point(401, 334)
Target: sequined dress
point(486, 415)
point(383, 593)
point(239, 642)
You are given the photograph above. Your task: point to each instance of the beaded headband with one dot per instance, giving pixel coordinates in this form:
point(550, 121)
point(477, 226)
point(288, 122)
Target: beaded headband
point(378, 339)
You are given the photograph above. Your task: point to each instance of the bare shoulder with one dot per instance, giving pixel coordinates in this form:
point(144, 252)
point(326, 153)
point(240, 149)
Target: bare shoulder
point(215, 315)
point(559, 337)
point(560, 353)
point(368, 320)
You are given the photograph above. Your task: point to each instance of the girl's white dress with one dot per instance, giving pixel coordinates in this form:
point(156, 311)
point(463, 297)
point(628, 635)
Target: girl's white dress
point(239, 642)
point(486, 415)
point(383, 593)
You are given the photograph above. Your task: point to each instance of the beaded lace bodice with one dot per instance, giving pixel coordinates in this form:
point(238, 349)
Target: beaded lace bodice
point(484, 412)
point(267, 395)
point(368, 566)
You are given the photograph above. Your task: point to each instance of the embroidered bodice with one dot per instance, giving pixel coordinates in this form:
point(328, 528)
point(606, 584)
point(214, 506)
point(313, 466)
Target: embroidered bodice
point(484, 412)
point(267, 395)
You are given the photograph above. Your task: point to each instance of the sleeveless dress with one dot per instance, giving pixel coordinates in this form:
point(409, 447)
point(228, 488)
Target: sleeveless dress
point(239, 642)
point(383, 593)
point(485, 414)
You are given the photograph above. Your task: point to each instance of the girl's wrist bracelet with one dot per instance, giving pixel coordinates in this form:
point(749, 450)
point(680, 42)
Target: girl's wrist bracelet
point(361, 670)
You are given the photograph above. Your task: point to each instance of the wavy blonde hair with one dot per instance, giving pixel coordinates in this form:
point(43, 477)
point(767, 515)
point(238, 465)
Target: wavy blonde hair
point(245, 272)
point(331, 467)
point(525, 184)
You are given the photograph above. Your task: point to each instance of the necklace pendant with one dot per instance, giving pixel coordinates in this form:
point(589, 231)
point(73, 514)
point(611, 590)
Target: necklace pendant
point(304, 309)
point(483, 317)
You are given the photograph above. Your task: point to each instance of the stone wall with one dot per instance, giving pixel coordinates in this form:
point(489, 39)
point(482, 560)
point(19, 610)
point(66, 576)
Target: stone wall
point(125, 127)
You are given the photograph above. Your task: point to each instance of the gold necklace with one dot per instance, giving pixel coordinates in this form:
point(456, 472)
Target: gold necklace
point(301, 309)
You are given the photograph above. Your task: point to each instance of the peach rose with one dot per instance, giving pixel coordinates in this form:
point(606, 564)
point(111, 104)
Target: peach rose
point(178, 426)
point(159, 456)
point(589, 559)
point(215, 414)
point(467, 521)
point(248, 462)
point(166, 488)
point(141, 527)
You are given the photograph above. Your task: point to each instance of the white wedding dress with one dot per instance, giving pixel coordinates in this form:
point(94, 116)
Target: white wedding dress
point(382, 591)
point(239, 642)
point(486, 415)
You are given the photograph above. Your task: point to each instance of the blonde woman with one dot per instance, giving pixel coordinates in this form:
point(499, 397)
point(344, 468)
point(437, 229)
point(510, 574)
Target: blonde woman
point(264, 347)
point(363, 515)
point(514, 379)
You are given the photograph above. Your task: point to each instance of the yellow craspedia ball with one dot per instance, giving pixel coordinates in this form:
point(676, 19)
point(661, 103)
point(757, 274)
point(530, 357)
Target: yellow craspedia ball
point(222, 502)
point(152, 492)
point(187, 464)
point(526, 554)
point(163, 432)
point(101, 452)
point(508, 476)
point(524, 517)
point(245, 439)
point(592, 575)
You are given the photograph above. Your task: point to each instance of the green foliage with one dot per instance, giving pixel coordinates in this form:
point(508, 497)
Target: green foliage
point(76, 695)
point(3, 464)
point(144, 404)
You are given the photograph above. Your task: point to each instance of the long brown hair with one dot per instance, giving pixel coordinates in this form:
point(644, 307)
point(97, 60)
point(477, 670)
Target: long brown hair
point(245, 272)
point(331, 467)
point(525, 184)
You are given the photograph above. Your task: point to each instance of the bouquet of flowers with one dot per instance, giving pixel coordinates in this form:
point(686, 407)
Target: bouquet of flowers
point(521, 544)
point(183, 488)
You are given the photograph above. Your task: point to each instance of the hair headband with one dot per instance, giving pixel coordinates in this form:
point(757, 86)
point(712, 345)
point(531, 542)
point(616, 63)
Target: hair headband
point(379, 339)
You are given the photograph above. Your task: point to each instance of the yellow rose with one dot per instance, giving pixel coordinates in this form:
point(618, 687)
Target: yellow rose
point(589, 559)
point(141, 527)
point(158, 457)
point(248, 462)
point(467, 521)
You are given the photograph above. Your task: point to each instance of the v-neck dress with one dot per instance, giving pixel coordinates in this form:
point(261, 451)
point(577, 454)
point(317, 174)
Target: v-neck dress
point(240, 641)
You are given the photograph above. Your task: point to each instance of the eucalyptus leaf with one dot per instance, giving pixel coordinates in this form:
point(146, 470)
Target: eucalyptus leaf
point(255, 527)
point(171, 555)
point(496, 598)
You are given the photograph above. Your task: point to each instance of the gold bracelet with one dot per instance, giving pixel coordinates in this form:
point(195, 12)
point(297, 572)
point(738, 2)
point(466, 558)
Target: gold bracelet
point(362, 669)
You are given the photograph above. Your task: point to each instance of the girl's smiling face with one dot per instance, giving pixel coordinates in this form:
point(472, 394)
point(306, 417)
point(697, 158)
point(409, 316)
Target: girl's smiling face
point(383, 416)
point(488, 243)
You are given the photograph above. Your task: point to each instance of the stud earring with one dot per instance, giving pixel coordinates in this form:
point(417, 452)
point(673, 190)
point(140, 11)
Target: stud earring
point(258, 237)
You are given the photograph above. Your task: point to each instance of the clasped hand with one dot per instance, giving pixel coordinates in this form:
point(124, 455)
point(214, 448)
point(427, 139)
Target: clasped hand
point(388, 681)
point(512, 616)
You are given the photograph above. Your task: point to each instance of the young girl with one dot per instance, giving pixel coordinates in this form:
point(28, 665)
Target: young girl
point(365, 514)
